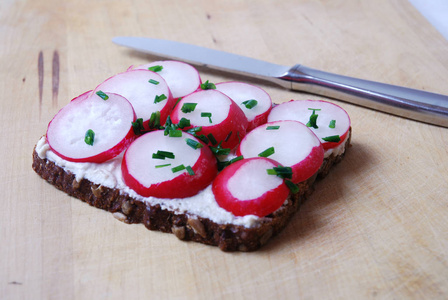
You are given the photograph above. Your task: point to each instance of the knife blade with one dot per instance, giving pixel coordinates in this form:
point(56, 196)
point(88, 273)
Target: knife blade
point(400, 101)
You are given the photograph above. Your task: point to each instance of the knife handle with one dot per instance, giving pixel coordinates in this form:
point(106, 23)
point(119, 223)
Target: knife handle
point(409, 103)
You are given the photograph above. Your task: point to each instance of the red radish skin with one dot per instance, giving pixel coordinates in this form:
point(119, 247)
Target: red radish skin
point(140, 172)
point(228, 120)
point(295, 146)
point(135, 86)
point(109, 119)
point(240, 92)
point(265, 193)
point(182, 78)
point(301, 111)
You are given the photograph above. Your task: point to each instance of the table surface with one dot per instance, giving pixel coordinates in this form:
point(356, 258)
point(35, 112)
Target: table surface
point(376, 227)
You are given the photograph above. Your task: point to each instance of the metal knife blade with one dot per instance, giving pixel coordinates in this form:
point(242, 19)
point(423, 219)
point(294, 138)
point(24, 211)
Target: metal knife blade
point(409, 103)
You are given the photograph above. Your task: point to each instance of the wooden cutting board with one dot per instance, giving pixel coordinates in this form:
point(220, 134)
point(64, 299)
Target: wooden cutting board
point(376, 227)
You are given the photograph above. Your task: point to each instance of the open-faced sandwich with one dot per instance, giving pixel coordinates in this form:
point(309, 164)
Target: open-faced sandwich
point(217, 164)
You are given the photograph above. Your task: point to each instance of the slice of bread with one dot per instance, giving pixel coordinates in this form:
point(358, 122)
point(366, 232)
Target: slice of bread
point(184, 224)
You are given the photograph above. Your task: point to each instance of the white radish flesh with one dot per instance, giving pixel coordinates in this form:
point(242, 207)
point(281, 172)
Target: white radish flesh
point(143, 89)
point(226, 121)
point(292, 144)
point(109, 120)
point(241, 92)
point(246, 188)
point(182, 78)
point(327, 113)
point(154, 176)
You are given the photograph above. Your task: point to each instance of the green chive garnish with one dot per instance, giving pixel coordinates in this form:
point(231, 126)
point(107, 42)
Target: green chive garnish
point(175, 133)
point(153, 81)
point(163, 154)
point(89, 137)
point(137, 126)
point(162, 166)
point(154, 120)
point(292, 187)
point(159, 98)
point(156, 68)
point(178, 168)
point(102, 95)
point(283, 172)
point(189, 170)
point(207, 115)
point(212, 139)
point(313, 118)
point(188, 107)
point(267, 152)
point(184, 123)
point(208, 86)
point(332, 138)
point(250, 103)
point(219, 150)
point(273, 127)
point(193, 144)
point(332, 124)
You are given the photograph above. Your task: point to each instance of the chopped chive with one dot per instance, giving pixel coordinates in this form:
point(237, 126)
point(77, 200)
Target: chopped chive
point(194, 130)
point(189, 170)
point(188, 107)
point(178, 168)
point(249, 104)
point(273, 127)
point(102, 95)
point(267, 152)
point(332, 124)
point(208, 86)
point(159, 98)
point(162, 166)
point(184, 123)
point(89, 137)
point(194, 144)
point(219, 150)
point(175, 133)
point(154, 120)
point(202, 137)
point(157, 156)
point(292, 187)
point(207, 115)
point(313, 118)
point(212, 139)
point(163, 154)
point(153, 81)
point(332, 138)
point(228, 136)
point(236, 159)
point(156, 68)
point(137, 126)
point(283, 172)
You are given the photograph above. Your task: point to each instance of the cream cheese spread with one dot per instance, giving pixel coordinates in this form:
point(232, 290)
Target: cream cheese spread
point(108, 174)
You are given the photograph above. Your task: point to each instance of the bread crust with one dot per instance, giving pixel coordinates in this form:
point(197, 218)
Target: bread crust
point(228, 237)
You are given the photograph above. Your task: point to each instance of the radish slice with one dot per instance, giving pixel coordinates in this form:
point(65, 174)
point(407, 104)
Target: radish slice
point(290, 143)
point(244, 95)
point(246, 188)
point(90, 129)
point(168, 167)
point(331, 125)
point(182, 78)
point(146, 90)
point(216, 114)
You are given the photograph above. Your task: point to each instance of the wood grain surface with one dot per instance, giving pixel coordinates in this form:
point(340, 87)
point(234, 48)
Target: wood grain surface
point(375, 228)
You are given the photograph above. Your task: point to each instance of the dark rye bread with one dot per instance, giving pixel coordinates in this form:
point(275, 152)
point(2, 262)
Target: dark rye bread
point(227, 237)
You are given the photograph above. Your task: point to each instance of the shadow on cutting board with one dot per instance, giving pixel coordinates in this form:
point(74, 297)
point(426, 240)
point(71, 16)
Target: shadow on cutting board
point(315, 212)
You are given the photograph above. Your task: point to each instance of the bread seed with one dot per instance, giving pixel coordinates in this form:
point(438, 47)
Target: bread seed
point(96, 190)
point(197, 226)
point(179, 232)
point(120, 217)
point(126, 207)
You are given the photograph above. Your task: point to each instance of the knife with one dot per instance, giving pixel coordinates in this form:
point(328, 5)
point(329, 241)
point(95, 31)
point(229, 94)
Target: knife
point(405, 102)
